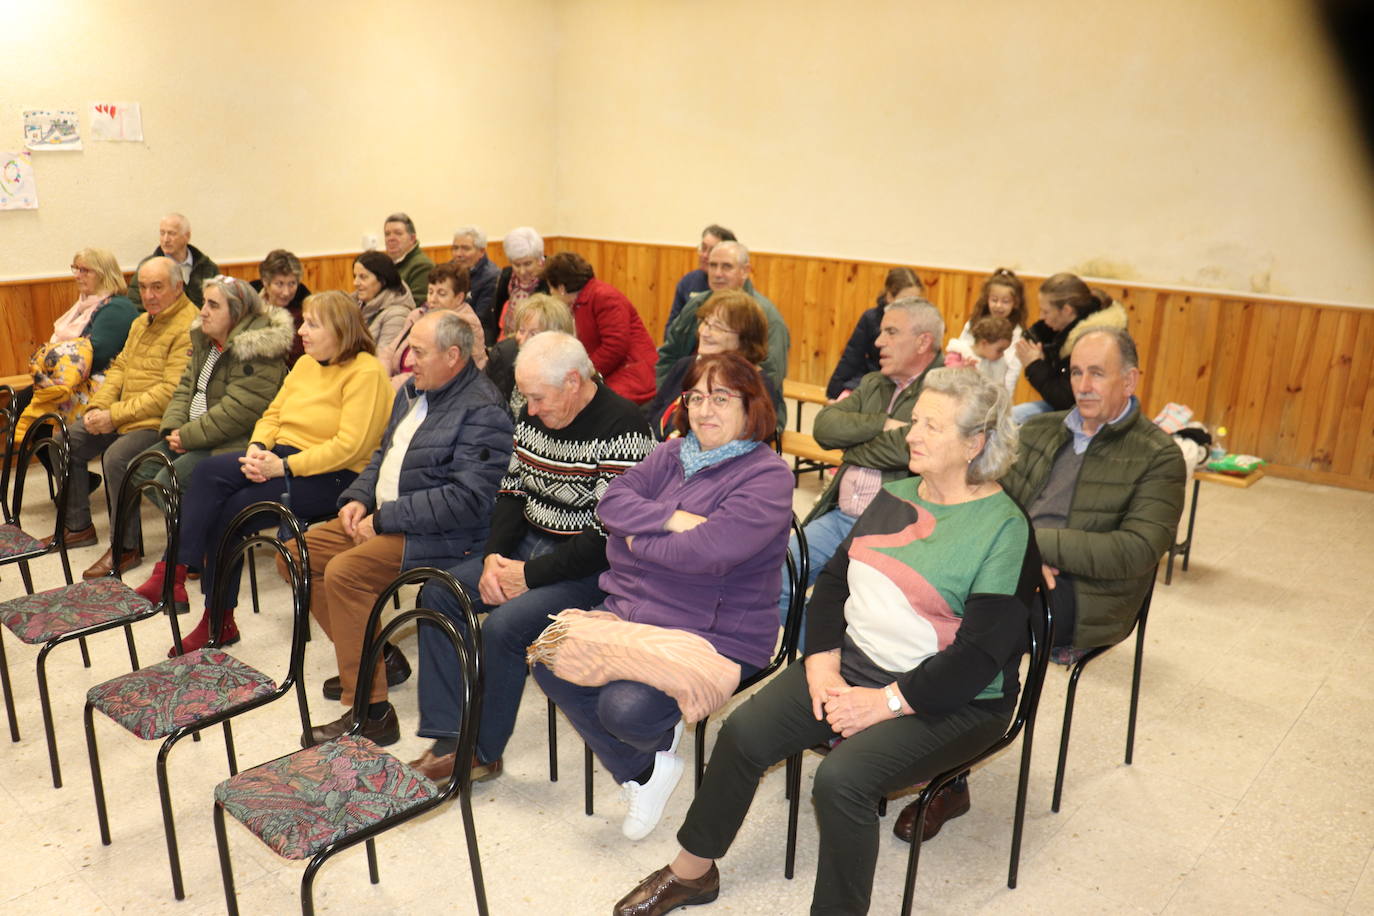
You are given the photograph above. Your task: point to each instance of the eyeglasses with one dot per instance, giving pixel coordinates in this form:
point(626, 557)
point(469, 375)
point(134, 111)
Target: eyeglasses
point(716, 327)
point(79, 271)
point(693, 400)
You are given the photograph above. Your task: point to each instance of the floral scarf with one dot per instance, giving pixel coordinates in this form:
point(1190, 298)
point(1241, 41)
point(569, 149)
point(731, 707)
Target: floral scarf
point(694, 459)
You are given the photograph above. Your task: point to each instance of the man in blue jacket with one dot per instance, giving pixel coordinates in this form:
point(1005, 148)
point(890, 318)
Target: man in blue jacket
point(425, 499)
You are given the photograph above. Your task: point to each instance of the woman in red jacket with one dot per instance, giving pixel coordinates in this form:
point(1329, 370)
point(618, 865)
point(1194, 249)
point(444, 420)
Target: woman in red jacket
point(608, 326)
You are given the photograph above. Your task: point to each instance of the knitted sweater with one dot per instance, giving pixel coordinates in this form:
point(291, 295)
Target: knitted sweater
point(334, 414)
point(555, 479)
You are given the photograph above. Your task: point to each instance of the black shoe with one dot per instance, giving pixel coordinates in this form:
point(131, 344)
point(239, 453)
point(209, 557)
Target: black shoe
point(383, 731)
point(397, 672)
point(94, 481)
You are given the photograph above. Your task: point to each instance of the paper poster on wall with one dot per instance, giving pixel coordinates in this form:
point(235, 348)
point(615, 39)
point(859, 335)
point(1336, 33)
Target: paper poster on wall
point(51, 130)
point(17, 188)
point(116, 121)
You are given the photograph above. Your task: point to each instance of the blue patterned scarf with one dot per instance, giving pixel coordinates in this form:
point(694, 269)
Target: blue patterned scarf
point(694, 459)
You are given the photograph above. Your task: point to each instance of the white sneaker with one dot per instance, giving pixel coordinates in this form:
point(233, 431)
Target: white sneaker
point(648, 801)
point(678, 729)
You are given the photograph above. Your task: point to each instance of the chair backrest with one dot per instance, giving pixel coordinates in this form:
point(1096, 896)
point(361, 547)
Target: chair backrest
point(9, 418)
point(127, 507)
point(467, 645)
point(796, 570)
point(54, 440)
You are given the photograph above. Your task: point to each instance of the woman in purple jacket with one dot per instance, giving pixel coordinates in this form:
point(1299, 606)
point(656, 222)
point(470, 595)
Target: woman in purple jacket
point(698, 532)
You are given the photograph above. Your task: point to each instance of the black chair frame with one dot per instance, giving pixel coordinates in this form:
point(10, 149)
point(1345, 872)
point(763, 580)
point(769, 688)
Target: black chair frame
point(1022, 724)
point(10, 417)
point(468, 647)
point(1142, 617)
point(299, 572)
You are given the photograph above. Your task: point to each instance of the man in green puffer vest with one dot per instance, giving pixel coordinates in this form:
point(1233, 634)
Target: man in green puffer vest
point(1104, 489)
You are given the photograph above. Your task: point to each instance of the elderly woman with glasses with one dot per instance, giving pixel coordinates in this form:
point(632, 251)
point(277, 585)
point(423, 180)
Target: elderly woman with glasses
point(915, 634)
point(524, 248)
point(239, 346)
point(698, 531)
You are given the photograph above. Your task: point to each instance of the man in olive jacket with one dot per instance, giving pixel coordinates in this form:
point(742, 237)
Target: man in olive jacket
point(871, 426)
point(1104, 489)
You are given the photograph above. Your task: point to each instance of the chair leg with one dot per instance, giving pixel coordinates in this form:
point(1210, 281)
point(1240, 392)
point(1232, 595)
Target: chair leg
point(1064, 735)
point(66, 565)
point(253, 579)
point(308, 883)
point(97, 782)
point(793, 804)
point(1135, 690)
point(882, 806)
point(168, 824)
point(700, 755)
point(9, 693)
point(85, 653)
point(133, 650)
point(553, 743)
point(479, 886)
point(1019, 817)
point(372, 874)
point(229, 748)
point(587, 777)
point(27, 576)
point(226, 869)
point(45, 702)
point(914, 857)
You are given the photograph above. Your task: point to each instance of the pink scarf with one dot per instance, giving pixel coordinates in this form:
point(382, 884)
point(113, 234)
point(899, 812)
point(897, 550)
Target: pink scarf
point(73, 322)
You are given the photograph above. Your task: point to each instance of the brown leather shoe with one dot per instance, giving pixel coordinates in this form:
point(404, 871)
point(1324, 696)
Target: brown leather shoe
point(664, 891)
point(383, 731)
point(83, 538)
point(128, 559)
point(439, 769)
point(950, 802)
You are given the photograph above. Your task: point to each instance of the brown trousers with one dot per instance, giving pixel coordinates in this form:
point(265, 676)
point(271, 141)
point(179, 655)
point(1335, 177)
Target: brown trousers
point(348, 577)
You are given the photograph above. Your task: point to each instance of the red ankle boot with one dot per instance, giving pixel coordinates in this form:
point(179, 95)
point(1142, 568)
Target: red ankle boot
point(152, 589)
point(197, 638)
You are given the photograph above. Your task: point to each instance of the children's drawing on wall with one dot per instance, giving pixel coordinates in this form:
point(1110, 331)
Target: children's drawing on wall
point(51, 130)
point(17, 188)
point(116, 121)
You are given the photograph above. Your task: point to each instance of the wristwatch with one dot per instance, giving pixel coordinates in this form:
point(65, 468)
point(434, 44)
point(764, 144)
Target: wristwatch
point(894, 702)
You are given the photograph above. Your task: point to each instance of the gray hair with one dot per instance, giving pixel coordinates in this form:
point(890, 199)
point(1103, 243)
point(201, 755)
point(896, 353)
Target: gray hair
point(242, 298)
point(741, 253)
point(169, 267)
point(403, 219)
point(925, 317)
point(984, 407)
point(182, 220)
point(479, 238)
point(450, 330)
point(522, 242)
point(1125, 344)
point(553, 355)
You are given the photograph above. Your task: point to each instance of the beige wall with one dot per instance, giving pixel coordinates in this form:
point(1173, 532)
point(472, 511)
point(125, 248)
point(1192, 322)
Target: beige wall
point(1195, 142)
point(1198, 142)
point(280, 122)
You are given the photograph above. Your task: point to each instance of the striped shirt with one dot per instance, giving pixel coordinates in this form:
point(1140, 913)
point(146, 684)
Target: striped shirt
point(198, 403)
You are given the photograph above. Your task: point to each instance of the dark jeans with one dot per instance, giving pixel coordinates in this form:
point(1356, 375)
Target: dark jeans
point(624, 722)
point(506, 634)
point(775, 723)
point(218, 491)
point(116, 453)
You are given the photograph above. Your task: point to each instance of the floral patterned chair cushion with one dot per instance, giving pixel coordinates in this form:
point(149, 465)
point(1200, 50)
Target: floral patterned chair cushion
point(154, 701)
point(58, 611)
point(13, 542)
point(301, 803)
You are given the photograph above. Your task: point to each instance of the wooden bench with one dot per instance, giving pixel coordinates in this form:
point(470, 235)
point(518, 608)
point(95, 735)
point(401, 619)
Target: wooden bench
point(807, 455)
point(803, 393)
point(1184, 547)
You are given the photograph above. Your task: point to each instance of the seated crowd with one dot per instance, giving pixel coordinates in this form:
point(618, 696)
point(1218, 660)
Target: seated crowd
point(519, 428)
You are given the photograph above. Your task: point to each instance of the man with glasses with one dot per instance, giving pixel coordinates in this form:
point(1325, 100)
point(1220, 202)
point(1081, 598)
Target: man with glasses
point(174, 241)
point(470, 251)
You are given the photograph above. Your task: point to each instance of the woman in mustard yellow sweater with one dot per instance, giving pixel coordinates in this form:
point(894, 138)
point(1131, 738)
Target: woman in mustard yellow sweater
point(317, 434)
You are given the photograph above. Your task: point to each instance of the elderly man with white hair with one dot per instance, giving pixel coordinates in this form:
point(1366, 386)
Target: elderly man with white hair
point(727, 267)
point(470, 252)
point(547, 548)
point(174, 241)
point(524, 277)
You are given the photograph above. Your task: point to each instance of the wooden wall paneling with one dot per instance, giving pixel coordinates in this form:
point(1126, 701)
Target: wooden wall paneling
point(1356, 395)
point(1246, 410)
point(1276, 381)
point(1361, 428)
point(1233, 322)
point(16, 320)
point(1303, 414)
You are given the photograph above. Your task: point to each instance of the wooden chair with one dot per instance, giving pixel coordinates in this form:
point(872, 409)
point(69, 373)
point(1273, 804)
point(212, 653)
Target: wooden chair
point(298, 804)
point(194, 691)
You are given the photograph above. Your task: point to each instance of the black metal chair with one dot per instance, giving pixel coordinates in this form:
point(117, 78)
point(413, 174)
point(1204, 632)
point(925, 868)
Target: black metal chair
point(1142, 617)
point(94, 605)
point(192, 692)
point(1038, 646)
point(17, 545)
point(297, 804)
point(796, 569)
point(9, 417)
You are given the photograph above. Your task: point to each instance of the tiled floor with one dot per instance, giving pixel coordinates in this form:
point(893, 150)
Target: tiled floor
point(1250, 790)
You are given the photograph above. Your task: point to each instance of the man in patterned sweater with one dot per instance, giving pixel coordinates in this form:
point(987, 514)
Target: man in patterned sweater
point(546, 550)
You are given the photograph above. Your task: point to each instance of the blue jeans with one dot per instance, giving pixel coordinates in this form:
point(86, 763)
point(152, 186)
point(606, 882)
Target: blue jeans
point(1024, 411)
point(624, 722)
point(506, 633)
point(824, 535)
